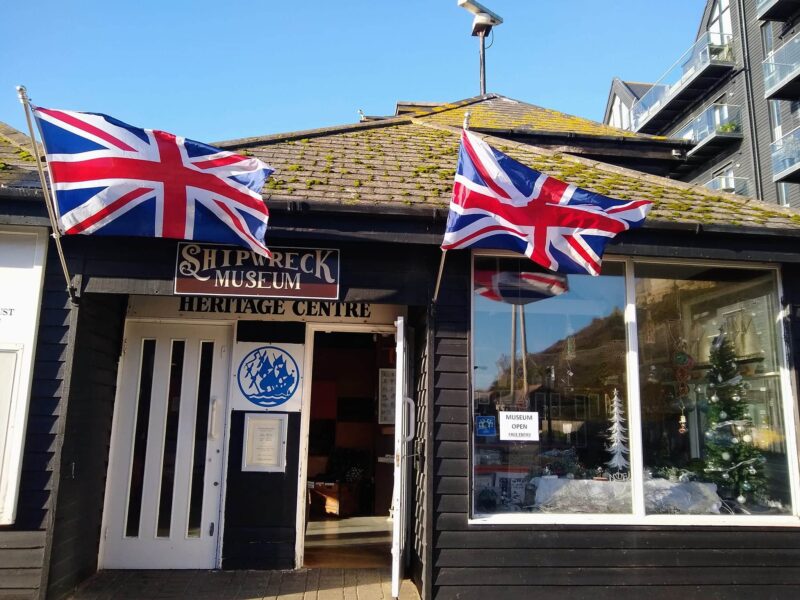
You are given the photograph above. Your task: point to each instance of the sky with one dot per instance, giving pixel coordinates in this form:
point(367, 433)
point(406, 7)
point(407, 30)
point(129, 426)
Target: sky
point(216, 71)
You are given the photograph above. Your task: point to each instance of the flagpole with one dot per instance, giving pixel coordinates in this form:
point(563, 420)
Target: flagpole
point(444, 252)
point(25, 101)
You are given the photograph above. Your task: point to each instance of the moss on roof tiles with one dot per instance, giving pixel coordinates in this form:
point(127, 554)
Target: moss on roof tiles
point(412, 162)
point(501, 113)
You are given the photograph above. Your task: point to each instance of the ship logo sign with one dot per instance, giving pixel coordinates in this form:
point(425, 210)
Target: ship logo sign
point(268, 376)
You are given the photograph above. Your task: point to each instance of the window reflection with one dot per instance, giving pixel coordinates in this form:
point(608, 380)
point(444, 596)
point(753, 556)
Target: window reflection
point(712, 424)
point(554, 346)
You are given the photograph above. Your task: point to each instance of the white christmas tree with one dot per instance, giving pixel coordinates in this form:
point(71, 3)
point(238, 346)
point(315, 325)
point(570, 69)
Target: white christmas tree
point(616, 436)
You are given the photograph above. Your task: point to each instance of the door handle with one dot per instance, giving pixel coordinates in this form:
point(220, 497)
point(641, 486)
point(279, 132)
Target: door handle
point(412, 422)
point(212, 421)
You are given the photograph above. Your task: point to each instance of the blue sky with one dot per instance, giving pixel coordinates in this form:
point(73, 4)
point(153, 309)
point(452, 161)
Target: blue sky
point(221, 70)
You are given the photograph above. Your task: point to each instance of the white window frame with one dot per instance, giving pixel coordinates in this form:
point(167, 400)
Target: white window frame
point(13, 439)
point(638, 515)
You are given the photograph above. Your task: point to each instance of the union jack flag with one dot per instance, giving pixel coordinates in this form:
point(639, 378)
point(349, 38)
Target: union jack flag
point(500, 203)
point(518, 287)
point(110, 178)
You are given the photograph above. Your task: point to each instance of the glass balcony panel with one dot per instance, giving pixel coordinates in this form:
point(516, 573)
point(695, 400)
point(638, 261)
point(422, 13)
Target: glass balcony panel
point(730, 184)
point(786, 157)
point(717, 119)
point(710, 48)
point(782, 69)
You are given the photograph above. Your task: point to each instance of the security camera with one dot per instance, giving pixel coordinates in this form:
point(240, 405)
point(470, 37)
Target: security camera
point(478, 9)
point(484, 18)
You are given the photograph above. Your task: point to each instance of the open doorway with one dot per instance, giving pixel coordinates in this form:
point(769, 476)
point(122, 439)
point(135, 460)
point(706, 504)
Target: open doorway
point(350, 451)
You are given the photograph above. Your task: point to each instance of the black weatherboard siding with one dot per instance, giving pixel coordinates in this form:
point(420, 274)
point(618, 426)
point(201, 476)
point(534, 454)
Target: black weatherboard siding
point(549, 561)
point(87, 436)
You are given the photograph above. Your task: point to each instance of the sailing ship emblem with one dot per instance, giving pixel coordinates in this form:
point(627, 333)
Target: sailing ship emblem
point(268, 376)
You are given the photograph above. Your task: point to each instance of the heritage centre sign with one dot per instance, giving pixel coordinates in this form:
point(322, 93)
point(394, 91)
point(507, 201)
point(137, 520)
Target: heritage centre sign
point(219, 270)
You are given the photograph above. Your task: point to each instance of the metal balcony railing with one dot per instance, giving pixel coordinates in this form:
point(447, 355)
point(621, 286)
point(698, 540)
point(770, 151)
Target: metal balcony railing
point(782, 71)
point(732, 185)
point(711, 48)
point(786, 157)
point(717, 121)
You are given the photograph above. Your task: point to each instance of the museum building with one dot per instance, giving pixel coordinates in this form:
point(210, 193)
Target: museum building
point(200, 407)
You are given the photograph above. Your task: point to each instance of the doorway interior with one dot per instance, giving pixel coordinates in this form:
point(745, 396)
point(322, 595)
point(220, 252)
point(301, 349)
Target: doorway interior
point(350, 472)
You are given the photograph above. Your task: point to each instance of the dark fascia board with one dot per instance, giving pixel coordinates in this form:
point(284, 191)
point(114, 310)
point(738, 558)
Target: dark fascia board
point(572, 136)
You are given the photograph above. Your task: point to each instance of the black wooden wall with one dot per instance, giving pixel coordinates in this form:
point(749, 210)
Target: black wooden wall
point(598, 562)
point(87, 435)
point(23, 545)
point(260, 508)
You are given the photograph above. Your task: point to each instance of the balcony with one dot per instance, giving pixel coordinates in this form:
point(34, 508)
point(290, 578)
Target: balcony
point(700, 67)
point(715, 128)
point(729, 184)
point(786, 158)
point(782, 72)
point(776, 10)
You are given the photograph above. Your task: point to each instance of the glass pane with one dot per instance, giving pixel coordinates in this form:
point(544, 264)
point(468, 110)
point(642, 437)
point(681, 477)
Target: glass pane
point(170, 438)
point(555, 346)
point(712, 424)
point(140, 438)
point(200, 439)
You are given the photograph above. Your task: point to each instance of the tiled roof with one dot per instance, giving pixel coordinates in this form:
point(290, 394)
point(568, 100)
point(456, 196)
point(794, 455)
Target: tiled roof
point(407, 161)
point(17, 165)
point(500, 113)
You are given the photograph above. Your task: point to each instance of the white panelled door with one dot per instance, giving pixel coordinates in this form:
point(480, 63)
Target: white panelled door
point(162, 506)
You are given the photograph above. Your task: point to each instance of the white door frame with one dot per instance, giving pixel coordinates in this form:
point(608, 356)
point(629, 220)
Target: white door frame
point(305, 418)
point(225, 424)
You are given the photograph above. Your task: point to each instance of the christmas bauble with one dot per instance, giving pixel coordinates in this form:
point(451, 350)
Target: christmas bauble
point(726, 456)
point(736, 397)
point(741, 499)
point(725, 476)
point(723, 414)
point(714, 398)
point(735, 440)
point(746, 486)
point(752, 470)
point(747, 438)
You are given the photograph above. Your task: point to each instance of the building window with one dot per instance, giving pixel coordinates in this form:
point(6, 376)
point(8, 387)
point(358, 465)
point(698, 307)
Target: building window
point(620, 114)
point(775, 124)
point(562, 428)
point(783, 194)
point(720, 23)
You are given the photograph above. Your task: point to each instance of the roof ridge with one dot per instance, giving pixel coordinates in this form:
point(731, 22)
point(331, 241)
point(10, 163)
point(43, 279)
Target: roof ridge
point(447, 106)
point(596, 164)
point(312, 133)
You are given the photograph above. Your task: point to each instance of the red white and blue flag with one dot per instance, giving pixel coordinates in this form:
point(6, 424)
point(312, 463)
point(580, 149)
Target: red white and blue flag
point(110, 178)
point(518, 287)
point(500, 203)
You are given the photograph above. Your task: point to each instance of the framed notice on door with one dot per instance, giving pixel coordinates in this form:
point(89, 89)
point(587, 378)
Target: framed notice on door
point(386, 396)
point(264, 442)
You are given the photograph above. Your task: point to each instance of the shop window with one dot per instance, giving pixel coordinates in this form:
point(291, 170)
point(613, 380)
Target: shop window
point(675, 411)
point(561, 358)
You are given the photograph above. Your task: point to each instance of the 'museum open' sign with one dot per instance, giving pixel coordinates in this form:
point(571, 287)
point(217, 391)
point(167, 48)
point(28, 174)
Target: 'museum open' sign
point(217, 270)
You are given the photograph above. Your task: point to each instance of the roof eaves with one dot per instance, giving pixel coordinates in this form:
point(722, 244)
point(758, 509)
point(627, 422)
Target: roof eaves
point(628, 139)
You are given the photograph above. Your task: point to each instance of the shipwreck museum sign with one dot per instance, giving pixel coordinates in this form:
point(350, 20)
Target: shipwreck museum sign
point(218, 270)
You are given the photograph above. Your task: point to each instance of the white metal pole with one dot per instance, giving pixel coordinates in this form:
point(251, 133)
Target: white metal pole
point(51, 211)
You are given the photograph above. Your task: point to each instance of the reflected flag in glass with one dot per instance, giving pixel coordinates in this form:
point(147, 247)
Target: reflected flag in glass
point(519, 287)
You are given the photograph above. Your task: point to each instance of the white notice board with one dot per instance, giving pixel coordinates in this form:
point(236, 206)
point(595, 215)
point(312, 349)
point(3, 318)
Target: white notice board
point(264, 442)
point(387, 391)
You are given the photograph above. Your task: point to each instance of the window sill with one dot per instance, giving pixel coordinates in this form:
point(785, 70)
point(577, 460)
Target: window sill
point(648, 520)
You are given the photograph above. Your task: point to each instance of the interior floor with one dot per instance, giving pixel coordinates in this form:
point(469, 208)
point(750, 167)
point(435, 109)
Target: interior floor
point(363, 542)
